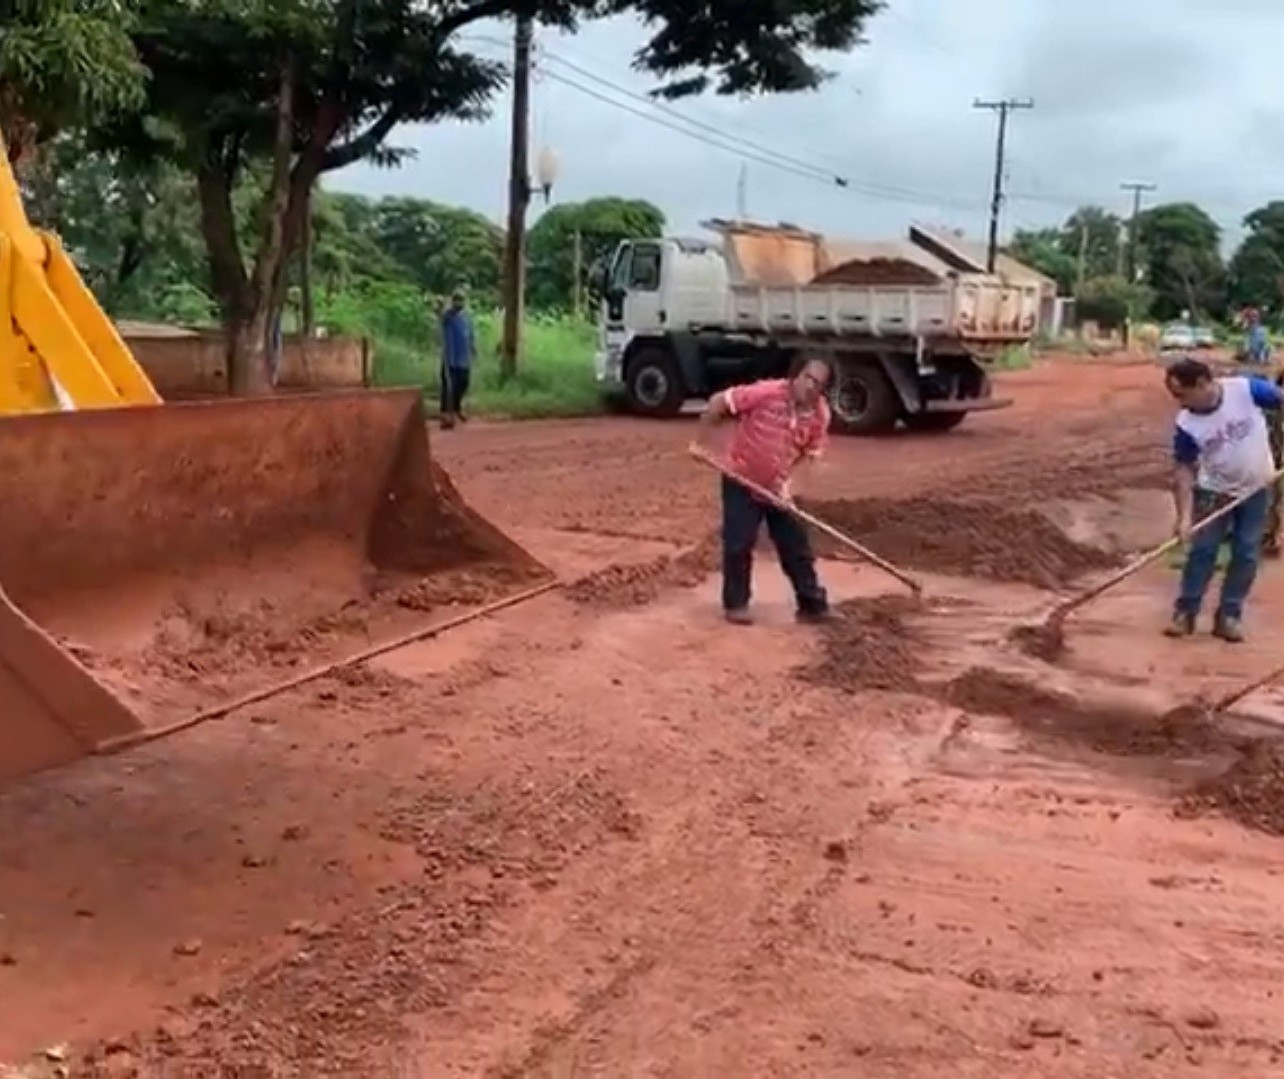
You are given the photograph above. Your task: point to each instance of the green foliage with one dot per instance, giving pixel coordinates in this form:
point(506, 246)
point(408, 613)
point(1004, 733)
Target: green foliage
point(1256, 271)
point(61, 62)
point(1099, 234)
point(441, 248)
point(601, 223)
point(1181, 248)
point(1042, 250)
point(555, 379)
point(1111, 301)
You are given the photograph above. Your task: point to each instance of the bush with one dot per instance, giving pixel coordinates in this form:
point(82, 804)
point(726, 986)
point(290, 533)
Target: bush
point(555, 377)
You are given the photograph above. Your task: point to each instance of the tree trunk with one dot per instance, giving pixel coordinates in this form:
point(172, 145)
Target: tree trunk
point(307, 310)
point(247, 359)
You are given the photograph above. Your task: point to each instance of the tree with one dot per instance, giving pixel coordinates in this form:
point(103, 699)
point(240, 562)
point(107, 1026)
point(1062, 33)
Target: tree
point(1098, 234)
point(1111, 301)
point(1256, 271)
point(441, 248)
point(63, 62)
point(1043, 250)
point(601, 224)
point(130, 229)
point(312, 86)
point(1183, 265)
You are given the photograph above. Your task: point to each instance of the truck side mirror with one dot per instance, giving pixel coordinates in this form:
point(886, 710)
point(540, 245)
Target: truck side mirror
point(597, 278)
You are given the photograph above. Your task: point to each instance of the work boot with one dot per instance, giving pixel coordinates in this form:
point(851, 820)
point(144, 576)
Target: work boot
point(1182, 625)
point(738, 616)
point(814, 617)
point(1229, 629)
point(1271, 547)
point(463, 416)
point(447, 421)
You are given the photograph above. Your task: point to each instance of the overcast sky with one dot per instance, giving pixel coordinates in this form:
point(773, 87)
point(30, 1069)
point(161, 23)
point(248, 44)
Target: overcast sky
point(1180, 93)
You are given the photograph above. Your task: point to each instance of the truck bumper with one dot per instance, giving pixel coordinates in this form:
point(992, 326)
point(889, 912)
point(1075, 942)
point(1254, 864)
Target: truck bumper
point(968, 404)
point(608, 367)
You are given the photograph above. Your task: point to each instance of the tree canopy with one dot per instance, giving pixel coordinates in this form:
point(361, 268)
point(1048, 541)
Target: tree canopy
point(601, 224)
point(305, 86)
point(64, 62)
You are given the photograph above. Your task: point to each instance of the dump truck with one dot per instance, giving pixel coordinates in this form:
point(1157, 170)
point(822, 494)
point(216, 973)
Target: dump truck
point(120, 509)
point(911, 330)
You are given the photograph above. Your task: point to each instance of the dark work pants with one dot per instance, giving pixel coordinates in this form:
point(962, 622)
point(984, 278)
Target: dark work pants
point(1243, 527)
point(742, 518)
point(454, 388)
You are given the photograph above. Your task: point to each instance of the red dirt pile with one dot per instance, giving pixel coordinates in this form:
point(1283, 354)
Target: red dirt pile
point(971, 539)
point(878, 271)
point(1118, 729)
point(868, 646)
point(472, 586)
point(1251, 791)
point(635, 584)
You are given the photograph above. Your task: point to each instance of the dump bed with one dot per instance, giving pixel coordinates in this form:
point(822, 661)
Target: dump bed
point(980, 308)
point(786, 281)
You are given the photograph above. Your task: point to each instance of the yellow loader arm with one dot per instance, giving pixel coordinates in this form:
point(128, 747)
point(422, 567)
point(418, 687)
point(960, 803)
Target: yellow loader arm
point(58, 349)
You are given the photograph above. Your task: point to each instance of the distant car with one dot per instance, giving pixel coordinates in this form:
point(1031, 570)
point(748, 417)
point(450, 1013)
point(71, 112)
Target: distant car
point(1176, 337)
point(1204, 338)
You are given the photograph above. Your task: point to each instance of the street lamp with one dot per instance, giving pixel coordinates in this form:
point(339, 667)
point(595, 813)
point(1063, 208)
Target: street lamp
point(547, 169)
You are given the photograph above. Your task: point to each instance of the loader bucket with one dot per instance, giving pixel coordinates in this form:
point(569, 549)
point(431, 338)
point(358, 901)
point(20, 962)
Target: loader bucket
point(157, 561)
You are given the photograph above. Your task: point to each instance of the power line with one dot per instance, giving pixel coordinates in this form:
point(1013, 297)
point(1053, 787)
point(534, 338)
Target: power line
point(732, 144)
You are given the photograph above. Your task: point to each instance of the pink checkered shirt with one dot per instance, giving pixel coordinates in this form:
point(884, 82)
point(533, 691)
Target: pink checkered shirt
point(772, 433)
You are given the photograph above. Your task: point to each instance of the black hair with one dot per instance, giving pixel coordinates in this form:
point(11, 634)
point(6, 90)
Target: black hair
point(1188, 372)
point(803, 360)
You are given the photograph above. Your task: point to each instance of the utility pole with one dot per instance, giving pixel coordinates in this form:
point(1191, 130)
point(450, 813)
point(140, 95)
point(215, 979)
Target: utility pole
point(1003, 108)
point(742, 193)
point(1137, 191)
point(577, 275)
point(519, 197)
point(1081, 268)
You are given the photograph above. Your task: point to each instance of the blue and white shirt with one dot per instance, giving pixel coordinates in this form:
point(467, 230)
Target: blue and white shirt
point(1230, 446)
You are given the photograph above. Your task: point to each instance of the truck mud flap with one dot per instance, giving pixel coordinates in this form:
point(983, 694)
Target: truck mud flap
point(157, 560)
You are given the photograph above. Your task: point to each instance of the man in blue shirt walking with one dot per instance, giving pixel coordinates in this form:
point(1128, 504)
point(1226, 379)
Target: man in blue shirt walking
point(458, 348)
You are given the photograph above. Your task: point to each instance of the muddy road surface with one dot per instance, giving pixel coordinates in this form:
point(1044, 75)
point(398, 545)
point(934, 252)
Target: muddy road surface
point(602, 833)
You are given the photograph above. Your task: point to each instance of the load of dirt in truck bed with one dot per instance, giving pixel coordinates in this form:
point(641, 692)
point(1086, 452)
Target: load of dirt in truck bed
point(868, 645)
point(970, 539)
point(878, 271)
point(1251, 791)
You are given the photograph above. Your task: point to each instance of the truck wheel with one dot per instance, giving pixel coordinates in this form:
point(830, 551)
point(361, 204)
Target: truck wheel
point(934, 421)
point(654, 383)
point(863, 400)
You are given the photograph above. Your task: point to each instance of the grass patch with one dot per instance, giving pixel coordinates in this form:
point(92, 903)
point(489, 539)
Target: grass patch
point(555, 376)
point(1015, 358)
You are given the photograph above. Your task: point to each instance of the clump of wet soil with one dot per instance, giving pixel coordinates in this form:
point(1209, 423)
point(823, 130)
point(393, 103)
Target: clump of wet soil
point(1251, 791)
point(470, 587)
point(868, 645)
point(1045, 641)
point(971, 539)
point(1119, 729)
point(634, 584)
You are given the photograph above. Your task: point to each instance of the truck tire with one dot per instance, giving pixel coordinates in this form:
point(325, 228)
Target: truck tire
point(653, 382)
point(863, 400)
point(934, 421)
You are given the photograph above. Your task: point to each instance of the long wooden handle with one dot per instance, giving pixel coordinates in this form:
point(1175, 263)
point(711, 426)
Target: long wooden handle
point(911, 582)
point(1063, 609)
point(1232, 699)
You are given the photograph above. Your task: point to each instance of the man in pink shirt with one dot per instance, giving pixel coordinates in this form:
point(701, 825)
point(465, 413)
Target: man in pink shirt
point(778, 424)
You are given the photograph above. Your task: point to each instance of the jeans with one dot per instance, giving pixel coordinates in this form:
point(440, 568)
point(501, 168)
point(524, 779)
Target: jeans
point(742, 517)
point(1244, 526)
point(454, 388)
